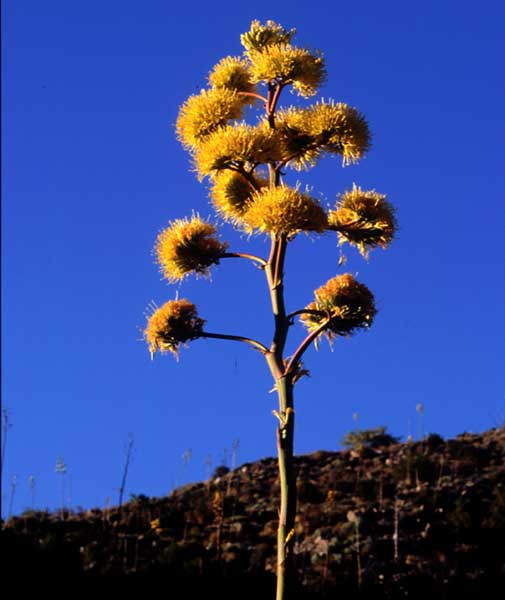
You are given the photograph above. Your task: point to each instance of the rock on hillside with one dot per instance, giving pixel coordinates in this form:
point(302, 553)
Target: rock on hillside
point(412, 520)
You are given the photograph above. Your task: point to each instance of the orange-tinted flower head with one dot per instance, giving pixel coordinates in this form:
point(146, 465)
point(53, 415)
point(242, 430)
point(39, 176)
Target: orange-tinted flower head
point(187, 246)
point(363, 219)
point(231, 193)
point(284, 210)
point(259, 37)
point(349, 305)
point(324, 127)
point(235, 146)
point(232, 73)
point(175, 323)
point(205, 112)
point(288, 64)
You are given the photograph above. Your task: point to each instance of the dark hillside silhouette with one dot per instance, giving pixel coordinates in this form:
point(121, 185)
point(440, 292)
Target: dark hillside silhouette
point(418, 519)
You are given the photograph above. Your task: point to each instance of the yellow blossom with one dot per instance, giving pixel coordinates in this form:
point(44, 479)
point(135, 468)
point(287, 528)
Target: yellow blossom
point(202, 114)
point(363, 218)
point(232, 73)
point(238, 146)
point(261, 36)
point(286, 64)
point(284, 210)
point(175, 323)
point(231, 192)
point(323, 127)
point(187, 246)
point(348, 304)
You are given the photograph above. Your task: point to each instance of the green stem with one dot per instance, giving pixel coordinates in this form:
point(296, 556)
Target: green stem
point(285, 431)
point(274, 271)
point(287, 481)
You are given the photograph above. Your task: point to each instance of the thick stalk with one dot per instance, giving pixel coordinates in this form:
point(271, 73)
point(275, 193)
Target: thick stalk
point(274, 271)
point(287, 481)
point(285, 430)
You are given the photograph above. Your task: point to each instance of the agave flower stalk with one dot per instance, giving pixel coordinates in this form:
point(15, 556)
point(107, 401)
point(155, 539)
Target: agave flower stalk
point(128, 452)
point(61, 470)
point(246, 166)
point(31, 485)
point(6, 425)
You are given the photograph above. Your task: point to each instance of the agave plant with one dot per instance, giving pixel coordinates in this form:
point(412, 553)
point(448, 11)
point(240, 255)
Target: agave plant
point(246, 166)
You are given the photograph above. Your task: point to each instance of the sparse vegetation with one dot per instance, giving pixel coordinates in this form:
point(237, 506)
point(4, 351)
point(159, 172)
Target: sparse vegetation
point(128, 459)
point(61, 470)
point(6, 425)
point(31, 485)
point(440, 539)
point(369, 438)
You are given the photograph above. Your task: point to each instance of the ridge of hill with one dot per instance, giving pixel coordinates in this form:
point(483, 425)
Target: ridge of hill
point(397, 521)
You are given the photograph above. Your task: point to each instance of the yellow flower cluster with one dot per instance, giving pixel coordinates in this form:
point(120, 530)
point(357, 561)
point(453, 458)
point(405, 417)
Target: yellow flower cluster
point(284, 210)
point(187, 246)
point(173, 324)
point(286, 64)
point(273, 58)
point(236, 146)
point(261, 36)
point(232, 73)
point(231, 192)
point(349, 304)
point(202, 114)
point(323, 127)
point(364, 219)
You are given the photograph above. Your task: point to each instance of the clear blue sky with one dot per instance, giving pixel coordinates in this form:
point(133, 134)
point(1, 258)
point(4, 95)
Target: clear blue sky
point(92, 171)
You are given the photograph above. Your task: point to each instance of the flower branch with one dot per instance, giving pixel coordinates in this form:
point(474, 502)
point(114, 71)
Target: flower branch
point(304, 311)
point(254, 95)
point(235, 338)
point(295, 359)
point(262, 262)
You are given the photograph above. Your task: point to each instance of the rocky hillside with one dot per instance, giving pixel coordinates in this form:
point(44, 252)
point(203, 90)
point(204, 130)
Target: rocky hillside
point(405, 520)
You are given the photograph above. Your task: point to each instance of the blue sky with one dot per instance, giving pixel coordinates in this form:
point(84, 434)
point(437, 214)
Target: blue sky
point(92, 171)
